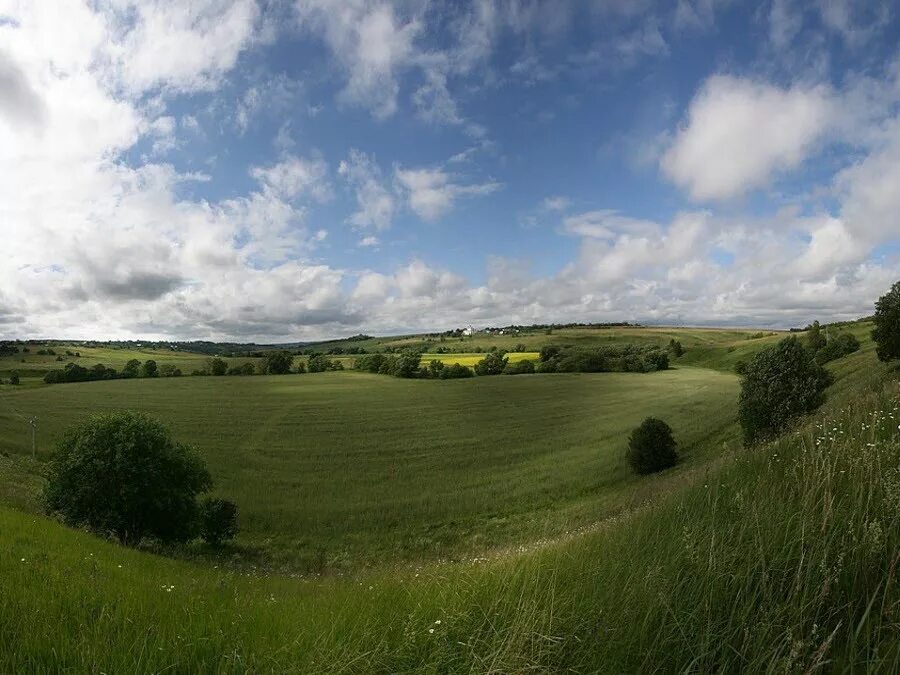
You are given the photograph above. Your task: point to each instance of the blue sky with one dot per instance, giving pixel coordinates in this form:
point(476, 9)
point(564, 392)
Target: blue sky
point(242, 169)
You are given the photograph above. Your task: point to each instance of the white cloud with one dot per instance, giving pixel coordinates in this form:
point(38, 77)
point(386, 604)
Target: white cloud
point(376, 203)
point(739, 133)
point(556, 203)
point(431, 193)
point(372, 43)
point(294, 177)
point(607, 224)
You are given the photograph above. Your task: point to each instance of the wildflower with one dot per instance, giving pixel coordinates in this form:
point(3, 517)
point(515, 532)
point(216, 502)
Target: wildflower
point(438, 622)
point(431, 630)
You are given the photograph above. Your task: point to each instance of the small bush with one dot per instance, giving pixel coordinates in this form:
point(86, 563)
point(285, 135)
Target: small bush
point(217, 366)
point(456, 371)
point(218, 521)
point(14, 377)
point(780, 385)
point(652, 447)
point(123, 474)
point(520, 368)
point(492, 364)
point(842, 345)
point(886, 333)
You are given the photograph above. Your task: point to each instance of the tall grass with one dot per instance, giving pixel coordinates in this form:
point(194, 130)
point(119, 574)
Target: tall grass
point(780, 559)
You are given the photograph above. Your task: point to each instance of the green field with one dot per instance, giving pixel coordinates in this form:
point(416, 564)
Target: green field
point(346, 468)
point(781, 559)
point(487, 525)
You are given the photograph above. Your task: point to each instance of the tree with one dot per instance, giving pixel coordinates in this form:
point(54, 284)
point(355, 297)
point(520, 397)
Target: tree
point(435, 368)
point(14, 377)
point(301, 368)
point(492, 364)
point(815, 339)
point(149, 369)
point(548, 353)
point(780, 385)
point(278, 363)
point(843, 344)
point(521, 368)
point(169, 370)
point(218, 520)
point(132, 368)
point(675, 348)
point(217, 366)
point(652, 447)
point(886, 333)
point(123, 474)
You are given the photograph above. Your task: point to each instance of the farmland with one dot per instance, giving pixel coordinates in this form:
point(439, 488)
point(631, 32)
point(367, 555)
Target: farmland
point(345, 468)
point(775, 556)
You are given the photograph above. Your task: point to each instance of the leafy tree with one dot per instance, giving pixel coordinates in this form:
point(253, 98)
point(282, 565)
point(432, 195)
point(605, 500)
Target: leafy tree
point(492, 364)
point(407, 364)
point(435, 368)
point(652, 447)
point(549, 352)
point(675, 348)
point(456, 371)
point(319, 363)
point(132, 368)
point(842, 345)
point(521, 368)
point(301, 368)
point(123, 474)
point(169, 370)
point(886, 333)
point(780, 384)
point(815, 339)
point(740, 367)
point(149, 368)
point(217, 366)
point(278, 363)
point(14, 377)
point(218, 520)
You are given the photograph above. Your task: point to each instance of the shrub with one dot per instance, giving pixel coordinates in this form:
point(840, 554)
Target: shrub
point(278, 363)
point(301, 368)
point(218, 520)
point(652, 447)
point(149, 368)
point(675, 348)
point(435, 368)
point(520, 368)
point(780, 385)
point(548, 352)
point(815, 340)
point(123, 474)
point(14, 377)
point(456, 371)
point(169, 370)
point(492, 364)
point(319, 363)
point(132, 368)
point(842, 345)
point(217, 366)
point(886, 333)
point(740, 367)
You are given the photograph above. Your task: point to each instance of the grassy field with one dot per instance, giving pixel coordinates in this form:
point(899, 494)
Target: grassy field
point(780, 559)
point(343, 469)
point(34, 365)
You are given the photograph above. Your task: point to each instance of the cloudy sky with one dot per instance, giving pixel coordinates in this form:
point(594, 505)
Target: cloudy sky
point(273, 170)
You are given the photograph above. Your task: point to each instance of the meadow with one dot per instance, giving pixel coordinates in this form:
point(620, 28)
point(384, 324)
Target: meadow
point(779, 559)
point(337, 470)
point(486, 525)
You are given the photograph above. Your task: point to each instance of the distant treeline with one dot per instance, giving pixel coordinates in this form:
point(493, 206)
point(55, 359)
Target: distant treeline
point(629, 358)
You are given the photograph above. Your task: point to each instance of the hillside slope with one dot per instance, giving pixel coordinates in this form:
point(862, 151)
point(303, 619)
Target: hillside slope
point(783, 558)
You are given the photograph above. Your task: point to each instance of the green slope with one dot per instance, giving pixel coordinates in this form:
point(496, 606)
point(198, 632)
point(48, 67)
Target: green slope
point(784, 558)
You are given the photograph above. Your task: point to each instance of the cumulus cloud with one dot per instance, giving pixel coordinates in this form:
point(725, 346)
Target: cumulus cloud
point(740, 132)
point(294, 177)
point(376, 204)
point(431, 193)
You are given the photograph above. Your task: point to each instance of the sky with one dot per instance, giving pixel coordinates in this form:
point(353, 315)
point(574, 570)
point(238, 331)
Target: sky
point(275, 170)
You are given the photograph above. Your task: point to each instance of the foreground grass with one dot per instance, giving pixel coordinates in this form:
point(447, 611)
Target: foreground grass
point(781, 559)
point(338, 470)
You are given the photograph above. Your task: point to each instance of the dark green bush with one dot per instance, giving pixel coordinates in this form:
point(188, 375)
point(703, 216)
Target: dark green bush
point(218, 520)
point(652, 447)
point(14, 377)
point(492, 364)
point(780, 385)
point(123, 474)
point(455, 371)
point(842, 345)
point(886, 333)
point(217, 366)
point(520, 368)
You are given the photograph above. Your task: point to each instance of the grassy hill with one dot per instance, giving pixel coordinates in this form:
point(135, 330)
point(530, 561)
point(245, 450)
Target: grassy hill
point(783, 558)
point(342, 469)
